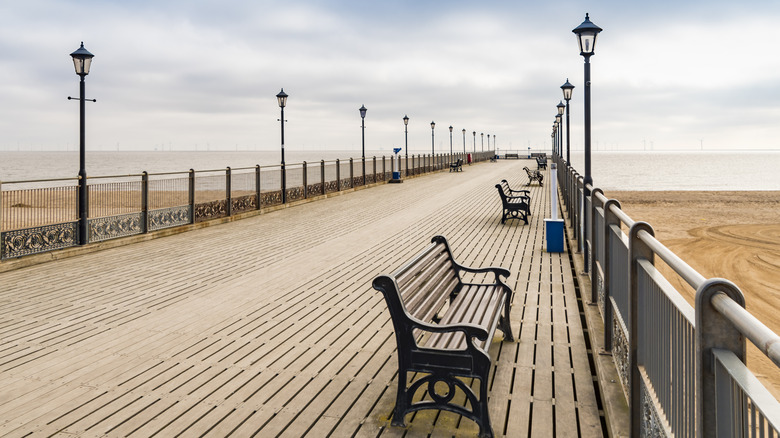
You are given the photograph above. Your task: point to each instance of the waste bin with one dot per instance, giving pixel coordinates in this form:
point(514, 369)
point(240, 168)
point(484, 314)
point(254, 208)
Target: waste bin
point(469, 158)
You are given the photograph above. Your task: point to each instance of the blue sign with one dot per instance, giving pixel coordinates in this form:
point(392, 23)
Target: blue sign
point(396, 150)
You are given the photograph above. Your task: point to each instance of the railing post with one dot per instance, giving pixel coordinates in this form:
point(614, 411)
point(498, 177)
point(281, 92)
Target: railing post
point(144, 202)
point(384, 168)
point(305, 182)
point(322, 175)
point(609, 220)
point(228, 194)
point(636, 250)
point(714, 331)
point(594, 243)
point(338, 175)
point(257, 185)
point(192, 196)
point(351, 173)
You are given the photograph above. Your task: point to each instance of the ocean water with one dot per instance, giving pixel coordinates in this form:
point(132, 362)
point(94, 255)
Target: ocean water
point(611, 170)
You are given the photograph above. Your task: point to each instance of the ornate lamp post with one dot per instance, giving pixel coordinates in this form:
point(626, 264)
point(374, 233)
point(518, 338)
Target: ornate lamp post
point(406, 135)
point(464, 141)
point(560, 132)
point(567, 91)
point(363, 132)
point(282, 99)
point(475, 141)
point(82, 60)
point(450, 139)
point(433, 125)
point(494, 142)
point(586, 37)
point(482, 138)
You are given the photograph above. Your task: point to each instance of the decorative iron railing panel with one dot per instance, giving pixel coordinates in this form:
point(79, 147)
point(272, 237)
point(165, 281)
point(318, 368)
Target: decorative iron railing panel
point(111, 227)
point(314, 189)
point(295, 194)
point(35, 240)
point(269, 199)
point(243, 204)
point(169, 217)
point(210, 210)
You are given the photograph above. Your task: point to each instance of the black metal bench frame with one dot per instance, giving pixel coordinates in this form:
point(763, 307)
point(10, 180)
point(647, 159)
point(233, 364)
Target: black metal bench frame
point(541, 163)
point(514, 206)
point(533, 175)
point(457, 166)
point(435, 335)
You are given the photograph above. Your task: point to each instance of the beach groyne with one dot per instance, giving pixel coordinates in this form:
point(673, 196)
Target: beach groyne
point(38, 216)
point(682, 368)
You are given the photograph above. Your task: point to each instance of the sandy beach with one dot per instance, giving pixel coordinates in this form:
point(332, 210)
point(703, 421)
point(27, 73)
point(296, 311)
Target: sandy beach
point(733, 235)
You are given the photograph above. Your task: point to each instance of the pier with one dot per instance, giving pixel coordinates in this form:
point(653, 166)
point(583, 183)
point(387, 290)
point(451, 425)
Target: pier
point(269, 325)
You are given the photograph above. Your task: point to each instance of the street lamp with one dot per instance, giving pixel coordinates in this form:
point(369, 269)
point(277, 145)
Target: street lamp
point(82, 60)
point(433, 125)
point(586, 37)
point(567, 91)
point(363, 132)
point(482, 138)
point(406, 135)
point(494, 142)
point(282, 99)
point(450, 139)
point(475, 141)
point(558, 120)
point(464, 141)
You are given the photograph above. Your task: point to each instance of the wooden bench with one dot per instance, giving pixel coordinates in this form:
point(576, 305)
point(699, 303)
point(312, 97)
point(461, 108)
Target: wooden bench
point(457, 166)
point(541, 163)
point(512, 156)
point(533, 175)
point(443, 329)
point(511, 193)
point(513, 207)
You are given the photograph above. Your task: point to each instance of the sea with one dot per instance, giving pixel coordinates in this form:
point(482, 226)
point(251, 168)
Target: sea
point(611, 170)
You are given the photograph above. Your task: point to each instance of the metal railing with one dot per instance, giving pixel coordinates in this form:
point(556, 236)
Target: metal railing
point(42, 215)
point(682, 368)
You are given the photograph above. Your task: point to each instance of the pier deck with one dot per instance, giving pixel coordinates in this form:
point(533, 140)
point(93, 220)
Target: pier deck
point(269, 326)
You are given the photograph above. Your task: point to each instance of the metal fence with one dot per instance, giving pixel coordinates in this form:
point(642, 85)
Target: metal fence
point(682, 368)
point(43, 215)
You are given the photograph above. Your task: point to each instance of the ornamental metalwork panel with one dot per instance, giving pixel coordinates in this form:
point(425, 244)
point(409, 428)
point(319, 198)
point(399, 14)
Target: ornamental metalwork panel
point(35, 240)
point(111, 227)
point(357, 181)
point(295, 194)
point(620, 352)
point(331, 186)
point(169, 217)
point(210, 210)
point(346, 184)
point(652, 423)
point(315, 189)
point(271, 198)
point(242, 204)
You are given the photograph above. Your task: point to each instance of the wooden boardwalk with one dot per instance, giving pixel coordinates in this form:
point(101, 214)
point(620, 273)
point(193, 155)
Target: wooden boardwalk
point(269, 326)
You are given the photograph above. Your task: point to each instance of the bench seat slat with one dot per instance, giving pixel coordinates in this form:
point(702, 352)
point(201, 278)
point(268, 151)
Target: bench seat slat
point(475, 304)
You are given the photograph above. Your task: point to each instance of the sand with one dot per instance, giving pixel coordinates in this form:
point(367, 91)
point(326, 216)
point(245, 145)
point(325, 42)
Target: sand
point(733, 235)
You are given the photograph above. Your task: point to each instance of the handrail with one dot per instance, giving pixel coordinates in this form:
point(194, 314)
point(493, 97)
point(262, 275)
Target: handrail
point(41, 180)
point(683, 269)
point(759, 334)
point(617, 211)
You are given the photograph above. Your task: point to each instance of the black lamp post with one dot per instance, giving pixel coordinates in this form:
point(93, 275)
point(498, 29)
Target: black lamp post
point(450, 139)
point(82, 60)
point(475, 141)
point(433, 125)
point(363, 132)
point(464, 141)
point(482, 139)
point(558, 120)
point(282, 99)
point(494, 142)
point(406, 135)
point(567, 91)
point(586, 37)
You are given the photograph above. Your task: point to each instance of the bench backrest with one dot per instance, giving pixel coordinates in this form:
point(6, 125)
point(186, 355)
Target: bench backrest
point(421, 287)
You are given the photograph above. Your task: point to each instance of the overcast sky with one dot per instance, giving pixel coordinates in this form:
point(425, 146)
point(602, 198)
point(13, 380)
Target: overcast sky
point(187, 74)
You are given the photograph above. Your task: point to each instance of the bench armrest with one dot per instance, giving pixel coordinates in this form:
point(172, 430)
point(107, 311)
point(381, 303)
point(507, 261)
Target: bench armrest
point(468, 329)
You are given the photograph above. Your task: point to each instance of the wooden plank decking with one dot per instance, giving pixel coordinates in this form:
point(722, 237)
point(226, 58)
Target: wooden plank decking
point(269, 326)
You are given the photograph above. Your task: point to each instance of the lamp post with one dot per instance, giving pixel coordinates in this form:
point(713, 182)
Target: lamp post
point(464, 141)
point(363, 132)
point(586, 37)
point(482, 139)
point(406, 135)
point(558, 120)
point(450, 139)
point(433, 125)
point(82, 60)
point(567, 91)
point(494, 142)
point(282, 99)
point(475, 141)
